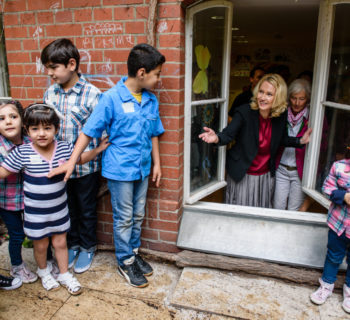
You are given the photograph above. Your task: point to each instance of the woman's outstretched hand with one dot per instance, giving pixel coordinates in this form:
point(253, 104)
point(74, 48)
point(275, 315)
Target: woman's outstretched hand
point(306, 137)
point(209, 136)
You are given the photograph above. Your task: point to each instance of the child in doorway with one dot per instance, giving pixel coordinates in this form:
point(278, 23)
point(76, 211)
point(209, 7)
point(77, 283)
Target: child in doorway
point(11, 188)
point(337, 187)
point(129, 112)
point(45, 200)
point(75, 98)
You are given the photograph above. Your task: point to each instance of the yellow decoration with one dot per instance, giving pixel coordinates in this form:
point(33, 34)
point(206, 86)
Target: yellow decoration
point(200, 83)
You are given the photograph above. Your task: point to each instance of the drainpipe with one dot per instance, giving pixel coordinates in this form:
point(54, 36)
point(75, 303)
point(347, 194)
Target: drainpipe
point(151, 23)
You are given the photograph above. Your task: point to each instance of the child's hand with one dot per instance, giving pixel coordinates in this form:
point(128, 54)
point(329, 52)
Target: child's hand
point(66, 168)
point(103, 145)
point(347, 198)
point(157, 173)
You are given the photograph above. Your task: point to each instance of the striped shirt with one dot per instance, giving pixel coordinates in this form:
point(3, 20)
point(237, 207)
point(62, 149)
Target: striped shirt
point(11, 188)
point(45, 200)
point(76, 105)
point(338, 179)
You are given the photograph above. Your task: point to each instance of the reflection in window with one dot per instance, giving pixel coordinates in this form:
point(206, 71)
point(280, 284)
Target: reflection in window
point(339, 71)
point(336, 130)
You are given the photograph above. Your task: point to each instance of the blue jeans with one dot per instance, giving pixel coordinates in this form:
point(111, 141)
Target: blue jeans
point(337, 249)
point(14, 225)
point(128, 200)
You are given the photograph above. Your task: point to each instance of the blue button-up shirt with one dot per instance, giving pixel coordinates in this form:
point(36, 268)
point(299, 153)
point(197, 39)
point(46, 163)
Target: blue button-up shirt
point(130, 126)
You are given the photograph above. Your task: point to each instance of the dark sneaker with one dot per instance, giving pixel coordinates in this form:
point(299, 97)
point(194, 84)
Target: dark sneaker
point(144, 266)
point(133, 275)
point(9, 283)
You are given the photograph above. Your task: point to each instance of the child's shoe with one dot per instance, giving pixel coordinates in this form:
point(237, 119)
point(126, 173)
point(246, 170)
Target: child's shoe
point(23, 273)
point(72, 255)
point(70, 282)
point(47, 280)
point(322, 293)
point(7, 283)
point(133, 275)
point(83, 262)
point(346, 296)
point(55, 271)
point(144, 266)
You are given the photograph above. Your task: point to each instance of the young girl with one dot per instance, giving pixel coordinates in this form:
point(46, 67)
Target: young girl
point(11, 188)
point(45, 200)
point(337, 187)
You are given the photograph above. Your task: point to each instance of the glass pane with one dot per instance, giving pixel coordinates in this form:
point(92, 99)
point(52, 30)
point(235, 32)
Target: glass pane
point(336, 129)
point(208, 37)
point(339, 71)
point(204, 156)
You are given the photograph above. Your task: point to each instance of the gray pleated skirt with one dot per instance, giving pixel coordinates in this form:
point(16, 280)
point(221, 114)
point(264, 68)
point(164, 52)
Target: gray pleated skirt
point(254, 191)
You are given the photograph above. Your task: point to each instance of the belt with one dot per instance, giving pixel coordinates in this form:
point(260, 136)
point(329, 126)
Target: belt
point(288, 167)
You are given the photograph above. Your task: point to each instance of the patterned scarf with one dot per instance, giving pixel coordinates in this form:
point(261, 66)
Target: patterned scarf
point(296, 119)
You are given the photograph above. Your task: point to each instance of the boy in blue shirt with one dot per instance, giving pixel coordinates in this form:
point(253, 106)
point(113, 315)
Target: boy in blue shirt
point(129, 113)
point(75, 98)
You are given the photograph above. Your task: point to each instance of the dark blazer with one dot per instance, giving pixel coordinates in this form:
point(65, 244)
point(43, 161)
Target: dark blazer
point(244, 129)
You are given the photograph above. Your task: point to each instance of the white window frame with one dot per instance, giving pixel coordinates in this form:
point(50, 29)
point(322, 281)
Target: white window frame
point(3, 66)
point(318, 97)
point(224, 99)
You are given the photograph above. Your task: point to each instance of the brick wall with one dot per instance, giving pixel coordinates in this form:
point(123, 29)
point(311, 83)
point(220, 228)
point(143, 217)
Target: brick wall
point(104, 31)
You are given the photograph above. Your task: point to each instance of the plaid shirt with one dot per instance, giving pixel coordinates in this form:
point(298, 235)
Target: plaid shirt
point(11, 188)
point(76, 105)
point(338, 179)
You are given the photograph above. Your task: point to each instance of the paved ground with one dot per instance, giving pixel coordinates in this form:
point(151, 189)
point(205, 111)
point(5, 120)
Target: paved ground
point(189, 293)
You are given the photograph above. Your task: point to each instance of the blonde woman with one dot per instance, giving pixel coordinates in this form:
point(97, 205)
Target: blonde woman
point(258, 130)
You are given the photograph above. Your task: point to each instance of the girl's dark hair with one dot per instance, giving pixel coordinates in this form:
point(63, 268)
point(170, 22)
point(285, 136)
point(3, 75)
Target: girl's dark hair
point(60, 51)
point(16, 103)
point(145, 56)
point(40, 113)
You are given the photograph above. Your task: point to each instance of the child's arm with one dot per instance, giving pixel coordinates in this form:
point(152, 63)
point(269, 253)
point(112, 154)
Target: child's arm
point(4, 173)
point(69, 166)
point(92, 154)
point(157, 172)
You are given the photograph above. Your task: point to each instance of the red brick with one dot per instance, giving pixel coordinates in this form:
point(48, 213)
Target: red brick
point(149, 234)
point(152, 192)
point(172, 83)
point(11, 19)
point(83, 15)
point(161, 246)
point(170, 148)
point(171, 195)
point(171, 161)
point(84, 43)
point(35, 56)
point(34, 5)
point(168, 236)
point(172, 123)
point(104, 42)
point(170, 184)
point(18, 93)
point(103, 14)
point(81, 3)
point(169, 216)
point(18, 57)
point(171, 173)
point(102, 28)
point(116, 55)
point(122, 41)
point(173, 69)
point(15, 5)
point(171, 97)
point(16, 69)
point(41, 81)
point(166, 205)
point(103, 238)
point(44, 17)
point(171, 110)
point(105, 217)
point(163, 225)
point(121, 69)
point(64, 30)
point(20, 81)
point(27, 18)
point(170, 26)
point(135, 27)
point(121, 2)
point(124, 13)
point(172, 136)
point(108, 227)
point(63, 16)
point(35, 93)
point(30, 45)
point(15, 32)
point(99, 227)
point(30, 69)
point(170, 11)
point(142, 13)
point(13, 45)
point(45, 41)
point(171, 40)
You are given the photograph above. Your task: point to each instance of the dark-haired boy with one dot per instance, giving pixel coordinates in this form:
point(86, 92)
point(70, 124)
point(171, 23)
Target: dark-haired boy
point(129, 113)
point(75, 98)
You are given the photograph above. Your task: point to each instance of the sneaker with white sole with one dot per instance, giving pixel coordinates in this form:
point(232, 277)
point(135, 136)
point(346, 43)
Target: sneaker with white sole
point(72, 255)
point(133, 275)
point(346, 296)
point(70, 282)
point(322, 293)
point(84, 261)
point(55, 271)
point(9, 283)
point(23, 273)
point(143, 265)
point(47, 280)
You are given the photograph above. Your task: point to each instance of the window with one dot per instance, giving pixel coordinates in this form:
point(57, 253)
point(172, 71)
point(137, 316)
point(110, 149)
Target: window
point(4, 88)
point(208, 43)
point(330, 102)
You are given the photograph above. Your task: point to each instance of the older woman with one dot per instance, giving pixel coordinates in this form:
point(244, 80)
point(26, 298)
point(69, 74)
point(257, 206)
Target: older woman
point(258, 130)
point(288, 192)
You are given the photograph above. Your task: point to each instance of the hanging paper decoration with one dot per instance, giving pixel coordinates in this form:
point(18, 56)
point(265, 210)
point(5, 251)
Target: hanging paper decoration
point(200, 83)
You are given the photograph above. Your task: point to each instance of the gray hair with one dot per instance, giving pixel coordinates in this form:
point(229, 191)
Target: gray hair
point(299, 85)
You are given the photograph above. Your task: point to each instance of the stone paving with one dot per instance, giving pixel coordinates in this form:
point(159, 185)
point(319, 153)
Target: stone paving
point(173, 293)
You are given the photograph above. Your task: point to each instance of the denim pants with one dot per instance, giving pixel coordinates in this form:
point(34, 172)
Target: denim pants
point(128, 200)
point(14, 224)
point(82, 205)
point(338, 247)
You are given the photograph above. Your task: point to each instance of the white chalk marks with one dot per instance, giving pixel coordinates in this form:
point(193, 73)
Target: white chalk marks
point(103, 28)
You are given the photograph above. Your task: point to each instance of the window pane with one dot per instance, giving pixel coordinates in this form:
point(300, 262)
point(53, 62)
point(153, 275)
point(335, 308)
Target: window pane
point(204, 156)
point(208, 34)
point(339, 71)
point(336, 129)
